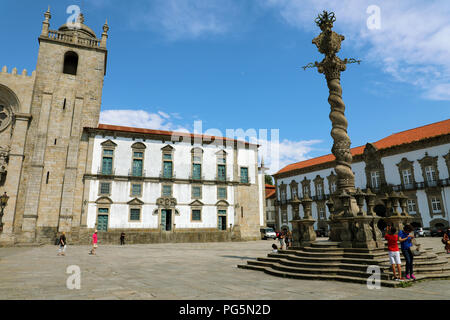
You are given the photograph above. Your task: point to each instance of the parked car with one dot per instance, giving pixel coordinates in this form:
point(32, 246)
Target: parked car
point(437, 233)
point(426, 232)
point(267, 233)
point(419, 232)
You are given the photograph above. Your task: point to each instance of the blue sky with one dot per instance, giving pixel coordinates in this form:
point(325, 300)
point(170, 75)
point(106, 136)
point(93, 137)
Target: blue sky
point(237, 64)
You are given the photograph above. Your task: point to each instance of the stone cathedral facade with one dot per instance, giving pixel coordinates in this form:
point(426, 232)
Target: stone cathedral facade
point(63, 171)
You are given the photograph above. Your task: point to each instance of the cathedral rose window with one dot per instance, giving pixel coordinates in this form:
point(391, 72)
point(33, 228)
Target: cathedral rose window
point(5, 117)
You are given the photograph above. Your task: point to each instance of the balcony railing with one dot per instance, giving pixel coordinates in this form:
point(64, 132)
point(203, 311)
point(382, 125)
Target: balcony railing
point(197, 178)
point(222, 178)
point(165, 175)
point(132, 173)
point(111, 172)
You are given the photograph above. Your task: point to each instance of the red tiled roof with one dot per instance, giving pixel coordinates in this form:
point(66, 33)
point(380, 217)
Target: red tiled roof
point(166, 133)
point(270, 191)
point(396, 139)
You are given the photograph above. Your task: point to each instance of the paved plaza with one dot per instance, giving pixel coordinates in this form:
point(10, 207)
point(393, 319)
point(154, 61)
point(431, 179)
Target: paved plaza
point(177, 271)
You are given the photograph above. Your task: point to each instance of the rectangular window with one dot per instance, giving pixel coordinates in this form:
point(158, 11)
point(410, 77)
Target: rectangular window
point(136, 189)
point(107, 161)
point(167, 191)
point(167, 169)
point(135, 214)
point(137, 167)
point(430, 174)
point(375, 178)
point(196, 192)
point(306, 191)
point(321, 213)
point(196, 171)
point(221, 160)
point(333, 187)
point(105, 188)
point(221, 193)
point(407, 177)
point(196, 215)
point(411, 206)
point(436, 205)
point(222, 220)
point(167, 156)
point(244, 175)
point(221, 172)
point(319, 190)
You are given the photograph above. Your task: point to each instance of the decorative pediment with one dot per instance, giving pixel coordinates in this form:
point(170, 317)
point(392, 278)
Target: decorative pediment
point(405, 163)
point(221, 153)
point(318, 179)
point(167, 148)
point(197, 150)
point(166, 202)
point(135, 202)
point(109, 143)
point(139, 145)
point(196, 203)
point(222, 203)
point(103, 200)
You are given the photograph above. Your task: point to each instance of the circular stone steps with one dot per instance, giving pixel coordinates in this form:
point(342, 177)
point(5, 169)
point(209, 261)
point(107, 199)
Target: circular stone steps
point(326, 261)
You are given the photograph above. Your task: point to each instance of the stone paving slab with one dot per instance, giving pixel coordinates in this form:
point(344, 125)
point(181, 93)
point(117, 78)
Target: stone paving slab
point(176, 271)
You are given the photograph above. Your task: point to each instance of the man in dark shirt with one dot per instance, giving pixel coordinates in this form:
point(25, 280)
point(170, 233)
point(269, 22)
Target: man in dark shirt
point(62, 245)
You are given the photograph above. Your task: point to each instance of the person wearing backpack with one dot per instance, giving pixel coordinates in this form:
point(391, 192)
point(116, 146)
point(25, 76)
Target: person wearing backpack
point(62, 244)
point(446, 240)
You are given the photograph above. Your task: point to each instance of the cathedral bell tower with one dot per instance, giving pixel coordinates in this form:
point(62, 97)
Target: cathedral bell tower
point(67, 97)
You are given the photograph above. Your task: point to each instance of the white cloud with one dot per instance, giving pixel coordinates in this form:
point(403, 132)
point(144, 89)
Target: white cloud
point(278, 154)
point(413, 44)
point(179, 19)
point(140, 119)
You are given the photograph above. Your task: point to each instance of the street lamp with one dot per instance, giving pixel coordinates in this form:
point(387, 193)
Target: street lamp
point(3, 201)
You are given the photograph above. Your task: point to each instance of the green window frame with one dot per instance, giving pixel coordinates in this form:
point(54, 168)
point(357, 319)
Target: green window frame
point(221, 192)
point(135, 214)
point(196, 215)
point(107, 161)
point(221, 172)
point(136, 189)
point(105, 188)
point(166, 190)
point(168, 169)
point(222, 220)
point(244, 175)
point(196, 171)
point(196, 191)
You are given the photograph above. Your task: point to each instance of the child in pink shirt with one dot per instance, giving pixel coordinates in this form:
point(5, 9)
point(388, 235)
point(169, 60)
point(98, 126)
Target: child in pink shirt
point(94, 242)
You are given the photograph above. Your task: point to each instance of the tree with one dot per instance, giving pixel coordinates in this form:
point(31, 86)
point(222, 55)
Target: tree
point(268, 179)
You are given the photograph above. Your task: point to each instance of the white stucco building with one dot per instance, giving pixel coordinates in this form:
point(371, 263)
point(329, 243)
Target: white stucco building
point(142, 179)
point(415, 162)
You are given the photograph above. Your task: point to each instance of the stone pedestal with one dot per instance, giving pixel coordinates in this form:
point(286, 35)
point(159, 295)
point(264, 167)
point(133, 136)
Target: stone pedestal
point(346, 232)
point(296, 232)
point(397, 221)
point(364, 236)
point(308, 235)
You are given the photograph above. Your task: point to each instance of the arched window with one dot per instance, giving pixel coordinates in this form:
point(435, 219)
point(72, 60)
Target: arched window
point(70, 63)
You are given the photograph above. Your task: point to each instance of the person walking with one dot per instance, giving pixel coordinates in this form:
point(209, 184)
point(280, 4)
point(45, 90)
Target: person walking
point(281, 239)
point(394, 252)
point(62, 244)
point(94, 243)
point(405, 239)
point(446, 240)
point(122, 238)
